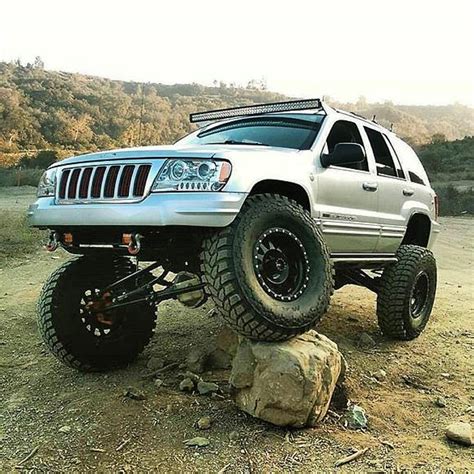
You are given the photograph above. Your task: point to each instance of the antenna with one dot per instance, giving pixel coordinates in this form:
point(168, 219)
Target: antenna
point(391, 127)
point(373, 118)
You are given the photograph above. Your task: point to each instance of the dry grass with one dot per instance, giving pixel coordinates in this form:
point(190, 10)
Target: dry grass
point(18, 240)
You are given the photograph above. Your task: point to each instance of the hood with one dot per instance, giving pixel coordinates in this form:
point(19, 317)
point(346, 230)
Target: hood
point(174, 151)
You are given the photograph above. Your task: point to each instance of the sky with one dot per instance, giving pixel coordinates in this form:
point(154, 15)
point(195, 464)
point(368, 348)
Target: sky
point(405, 51)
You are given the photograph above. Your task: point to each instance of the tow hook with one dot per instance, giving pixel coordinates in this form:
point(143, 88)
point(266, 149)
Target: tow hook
point(53, 242)
point(135, 244)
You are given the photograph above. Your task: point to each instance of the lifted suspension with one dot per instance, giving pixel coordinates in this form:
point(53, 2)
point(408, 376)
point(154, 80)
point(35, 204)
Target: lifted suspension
point(183, 284)
point(356, 276)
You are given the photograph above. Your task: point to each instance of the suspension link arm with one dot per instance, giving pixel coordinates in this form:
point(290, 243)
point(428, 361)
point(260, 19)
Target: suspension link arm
point(154, 297)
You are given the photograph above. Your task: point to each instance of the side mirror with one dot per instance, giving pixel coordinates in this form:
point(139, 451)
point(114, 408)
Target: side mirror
point(344, 154)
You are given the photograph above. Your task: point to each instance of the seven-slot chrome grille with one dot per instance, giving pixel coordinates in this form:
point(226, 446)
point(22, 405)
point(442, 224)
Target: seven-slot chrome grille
point(103, 183)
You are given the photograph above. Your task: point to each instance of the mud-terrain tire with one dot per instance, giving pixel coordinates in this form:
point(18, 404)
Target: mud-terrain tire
point(406, 293)
point(67, 328)
point(269, 272)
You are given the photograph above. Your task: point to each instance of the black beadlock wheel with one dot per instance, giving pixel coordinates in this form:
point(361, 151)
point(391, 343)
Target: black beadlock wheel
point(407, 292)
point(269, 272)
point(75, 327)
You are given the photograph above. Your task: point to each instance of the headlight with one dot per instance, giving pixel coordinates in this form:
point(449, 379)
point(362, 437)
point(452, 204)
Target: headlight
point(192, 175)
point(47, 184)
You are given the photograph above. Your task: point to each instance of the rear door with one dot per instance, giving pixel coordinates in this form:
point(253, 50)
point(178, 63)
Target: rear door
point(393, 190)
point(346, 197)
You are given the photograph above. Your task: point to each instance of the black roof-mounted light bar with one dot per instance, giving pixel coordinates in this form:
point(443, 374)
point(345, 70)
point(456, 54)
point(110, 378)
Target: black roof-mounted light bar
point(220, 114)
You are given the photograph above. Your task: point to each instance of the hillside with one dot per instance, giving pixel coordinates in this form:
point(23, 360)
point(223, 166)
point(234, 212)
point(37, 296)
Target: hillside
point(448, 161)
point(42, 109)
point(450, 166)
point(55, 110)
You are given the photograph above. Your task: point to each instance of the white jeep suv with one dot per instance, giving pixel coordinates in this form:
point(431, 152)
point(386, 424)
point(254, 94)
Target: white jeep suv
point(265, 208)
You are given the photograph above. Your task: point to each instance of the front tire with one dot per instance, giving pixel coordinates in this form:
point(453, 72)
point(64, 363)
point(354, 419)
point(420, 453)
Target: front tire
point(269, 272)
point(407, 292)
point(86, 340)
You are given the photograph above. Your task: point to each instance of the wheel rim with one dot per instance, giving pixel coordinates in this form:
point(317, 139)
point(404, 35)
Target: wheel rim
point(419, 295)
point(91, 311)
point(281, 264)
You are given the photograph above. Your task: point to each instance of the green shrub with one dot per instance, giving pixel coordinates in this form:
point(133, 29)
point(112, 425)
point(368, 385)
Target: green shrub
point(20, 177)
point(42, 160)
point(454, 202)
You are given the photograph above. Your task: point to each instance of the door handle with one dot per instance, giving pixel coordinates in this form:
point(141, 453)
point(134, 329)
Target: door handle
point(370, 186)
point(408, 192)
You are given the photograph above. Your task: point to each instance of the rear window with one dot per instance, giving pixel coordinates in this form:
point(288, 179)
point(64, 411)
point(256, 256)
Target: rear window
point(296, 131)
point(410, 161)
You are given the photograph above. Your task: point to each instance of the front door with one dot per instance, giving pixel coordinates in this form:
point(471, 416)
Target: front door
point(347, 198)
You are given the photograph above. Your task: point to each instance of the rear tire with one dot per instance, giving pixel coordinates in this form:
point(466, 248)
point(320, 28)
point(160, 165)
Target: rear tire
point(74, 335)
point(269, 272)
point(407, 293)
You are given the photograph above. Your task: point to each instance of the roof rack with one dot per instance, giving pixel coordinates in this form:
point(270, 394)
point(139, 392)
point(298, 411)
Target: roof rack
point(259, 109)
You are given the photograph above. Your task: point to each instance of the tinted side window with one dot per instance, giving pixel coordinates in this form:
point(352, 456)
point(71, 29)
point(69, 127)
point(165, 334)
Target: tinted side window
point(411, 162)
point(346, 132)
point(383, 158)
point(398, 166)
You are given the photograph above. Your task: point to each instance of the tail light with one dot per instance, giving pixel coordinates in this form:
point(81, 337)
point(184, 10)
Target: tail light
point(436, 206)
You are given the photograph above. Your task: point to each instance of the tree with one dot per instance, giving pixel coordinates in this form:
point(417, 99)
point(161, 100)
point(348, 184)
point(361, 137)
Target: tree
point(38, 64)
point(438, 138)
point(42, 109)
point(42, 160)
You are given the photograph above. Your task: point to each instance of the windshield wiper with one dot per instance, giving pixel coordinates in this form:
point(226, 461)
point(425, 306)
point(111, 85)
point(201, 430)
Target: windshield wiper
point(236, 142)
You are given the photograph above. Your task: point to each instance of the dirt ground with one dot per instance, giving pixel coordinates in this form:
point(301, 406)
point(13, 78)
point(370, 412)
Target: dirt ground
point(107, 432)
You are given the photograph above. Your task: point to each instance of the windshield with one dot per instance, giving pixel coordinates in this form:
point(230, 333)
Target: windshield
point(296, 131)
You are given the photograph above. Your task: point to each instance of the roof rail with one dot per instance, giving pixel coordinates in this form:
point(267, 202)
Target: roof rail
point(358, 115)
point(365, 119)
point(259, 109)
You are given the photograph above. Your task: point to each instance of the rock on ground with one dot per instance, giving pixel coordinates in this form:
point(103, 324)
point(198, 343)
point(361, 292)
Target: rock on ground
point(461, 433)
point(227, 340)
point(205, 388)
point(196, 360)
point(134, 394)
point(355, 417)
point(186, 385)
point(204, 423)
point(288, 383)
point(199, 442)
point(440, 402)
point(155, 363)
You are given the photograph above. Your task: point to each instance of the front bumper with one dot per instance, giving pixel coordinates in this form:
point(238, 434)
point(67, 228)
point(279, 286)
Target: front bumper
point(217, 209)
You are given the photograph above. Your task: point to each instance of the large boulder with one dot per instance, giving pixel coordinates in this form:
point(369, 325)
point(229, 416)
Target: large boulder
point(287, 383)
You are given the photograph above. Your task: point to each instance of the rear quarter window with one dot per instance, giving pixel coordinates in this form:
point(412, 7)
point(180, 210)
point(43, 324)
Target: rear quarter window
point(410, 161)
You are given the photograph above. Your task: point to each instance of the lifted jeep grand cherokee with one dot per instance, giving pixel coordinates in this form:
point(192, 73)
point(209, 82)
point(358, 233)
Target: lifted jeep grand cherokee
point(265, 208)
